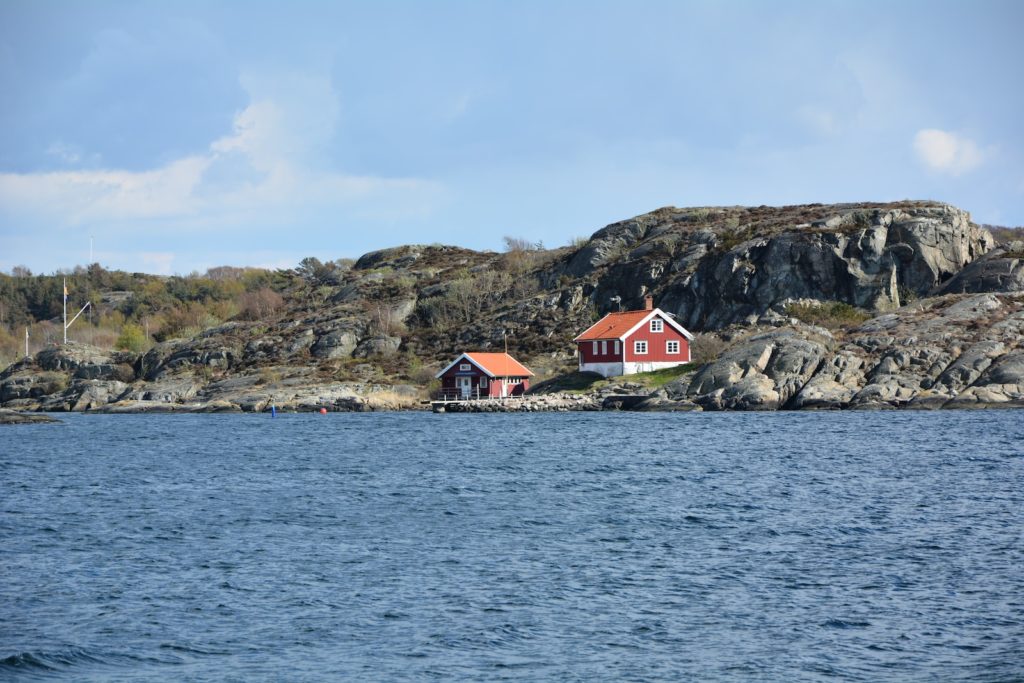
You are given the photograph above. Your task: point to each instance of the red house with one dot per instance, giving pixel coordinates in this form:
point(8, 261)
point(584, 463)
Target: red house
point(484, 375)
point(633, 341)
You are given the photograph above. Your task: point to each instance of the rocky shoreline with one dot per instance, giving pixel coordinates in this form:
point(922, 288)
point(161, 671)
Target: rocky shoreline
point(937, 322)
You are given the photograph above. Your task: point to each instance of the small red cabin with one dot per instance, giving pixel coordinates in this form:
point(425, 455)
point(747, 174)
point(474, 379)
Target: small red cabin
point(633, 341)
point(484, 375)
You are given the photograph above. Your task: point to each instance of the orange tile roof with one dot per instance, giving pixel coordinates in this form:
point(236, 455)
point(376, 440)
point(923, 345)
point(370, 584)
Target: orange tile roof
point(499, 364)
point(613, 325)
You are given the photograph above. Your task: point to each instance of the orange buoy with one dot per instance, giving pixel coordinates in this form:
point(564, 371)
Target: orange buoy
point(323, 411)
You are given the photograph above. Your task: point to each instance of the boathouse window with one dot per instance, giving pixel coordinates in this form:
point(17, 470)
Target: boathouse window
point(672, 347)
point(657, 325)
point(595, 348)
point(483, 382)
point(465, 367)
point(616, 347)
point(640, 348)
point(604, 348)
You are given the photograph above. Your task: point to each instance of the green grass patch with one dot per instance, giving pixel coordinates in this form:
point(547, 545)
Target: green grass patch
point(571, 382)
point(584, 382)
point(659, 378)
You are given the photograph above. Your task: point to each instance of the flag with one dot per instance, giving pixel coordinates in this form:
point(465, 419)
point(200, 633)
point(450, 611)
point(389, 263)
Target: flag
point(65, 291)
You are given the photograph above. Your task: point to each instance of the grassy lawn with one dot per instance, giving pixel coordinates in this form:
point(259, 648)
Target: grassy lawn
point(583, 382)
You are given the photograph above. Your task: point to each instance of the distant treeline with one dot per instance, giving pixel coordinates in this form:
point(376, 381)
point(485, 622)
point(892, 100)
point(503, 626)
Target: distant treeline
point(130, 310)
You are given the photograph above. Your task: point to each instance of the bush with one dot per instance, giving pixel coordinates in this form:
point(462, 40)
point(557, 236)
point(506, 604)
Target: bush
point(706, 348)
point(132, 339)
point(259, 304)
point(829, 314)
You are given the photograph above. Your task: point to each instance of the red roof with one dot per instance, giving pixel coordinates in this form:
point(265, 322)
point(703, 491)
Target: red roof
point(613, 325)
point(499, 364)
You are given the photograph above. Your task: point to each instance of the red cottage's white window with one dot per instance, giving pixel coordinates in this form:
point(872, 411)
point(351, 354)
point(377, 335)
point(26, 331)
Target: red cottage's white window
point(657, 325)
point(640, 348)
point(672, 347)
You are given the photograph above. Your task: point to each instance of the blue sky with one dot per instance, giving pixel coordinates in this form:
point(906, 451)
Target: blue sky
point(184, 135)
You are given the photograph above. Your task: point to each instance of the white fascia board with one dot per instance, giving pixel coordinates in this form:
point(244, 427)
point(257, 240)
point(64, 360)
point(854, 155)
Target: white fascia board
point(459, 360)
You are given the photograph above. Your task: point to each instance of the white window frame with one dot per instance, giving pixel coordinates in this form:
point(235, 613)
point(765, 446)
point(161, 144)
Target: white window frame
point(640, 348)
point(668, 347)
point(616, 347)
point(594, 349)
point(657, 325)
point(604, 348)
point(465, 367)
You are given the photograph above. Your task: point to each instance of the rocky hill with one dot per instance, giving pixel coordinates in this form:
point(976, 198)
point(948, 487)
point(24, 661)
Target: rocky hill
point(931, 316)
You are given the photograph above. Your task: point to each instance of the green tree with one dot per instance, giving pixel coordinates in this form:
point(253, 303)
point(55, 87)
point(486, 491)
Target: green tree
point(132, 338)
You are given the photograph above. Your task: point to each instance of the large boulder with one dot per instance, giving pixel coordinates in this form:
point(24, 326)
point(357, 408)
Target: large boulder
point(1001, 270)
point(336, 344)
point(762, 372)
point(377, 346)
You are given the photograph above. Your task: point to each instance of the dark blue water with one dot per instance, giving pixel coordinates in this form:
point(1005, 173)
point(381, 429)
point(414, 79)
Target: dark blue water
point(780, 547)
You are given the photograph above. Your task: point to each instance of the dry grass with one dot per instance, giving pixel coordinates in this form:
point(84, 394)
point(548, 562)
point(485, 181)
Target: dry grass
point(832, 315)
point(392, 400)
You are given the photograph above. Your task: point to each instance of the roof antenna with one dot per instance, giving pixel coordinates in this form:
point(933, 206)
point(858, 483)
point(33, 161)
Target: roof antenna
point(618, 301)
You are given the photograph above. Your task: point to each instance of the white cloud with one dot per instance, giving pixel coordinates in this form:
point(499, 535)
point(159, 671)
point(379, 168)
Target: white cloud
point(270, 161)
point(947, 152)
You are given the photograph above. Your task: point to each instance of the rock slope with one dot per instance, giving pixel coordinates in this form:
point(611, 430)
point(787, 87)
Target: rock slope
point(954, 351)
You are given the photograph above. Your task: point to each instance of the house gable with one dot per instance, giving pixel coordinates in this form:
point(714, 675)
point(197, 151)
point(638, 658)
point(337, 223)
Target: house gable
point(464, 358)
point(491, 364)
point(657, 312)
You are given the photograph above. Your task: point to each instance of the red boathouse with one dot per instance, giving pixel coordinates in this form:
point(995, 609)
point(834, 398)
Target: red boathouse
point(484, 375)
point(633, 341)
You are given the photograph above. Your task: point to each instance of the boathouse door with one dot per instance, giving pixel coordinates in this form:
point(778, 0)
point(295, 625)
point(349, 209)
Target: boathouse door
point(465, 386)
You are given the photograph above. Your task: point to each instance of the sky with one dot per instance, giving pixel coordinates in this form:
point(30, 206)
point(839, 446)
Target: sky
point(171, 137)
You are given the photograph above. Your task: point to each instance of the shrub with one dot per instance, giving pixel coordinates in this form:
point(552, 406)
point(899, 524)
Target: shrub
point(132, 338)
point(706, 348)
point(260, 304)
point(829, 314)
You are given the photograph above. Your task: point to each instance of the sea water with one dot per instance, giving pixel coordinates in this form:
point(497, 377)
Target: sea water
point(590, 546)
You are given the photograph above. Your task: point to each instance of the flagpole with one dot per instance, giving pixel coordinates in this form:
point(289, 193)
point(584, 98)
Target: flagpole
point(65, 311)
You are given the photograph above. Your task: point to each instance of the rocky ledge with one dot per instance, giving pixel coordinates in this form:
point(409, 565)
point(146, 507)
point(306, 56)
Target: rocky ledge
point(953, 351)
point(13, 417)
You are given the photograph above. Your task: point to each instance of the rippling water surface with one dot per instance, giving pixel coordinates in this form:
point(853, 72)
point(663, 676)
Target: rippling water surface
point(788, 546)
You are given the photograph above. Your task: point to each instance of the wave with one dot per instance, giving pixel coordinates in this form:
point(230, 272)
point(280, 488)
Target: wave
point(57, 661)
point(49, 661)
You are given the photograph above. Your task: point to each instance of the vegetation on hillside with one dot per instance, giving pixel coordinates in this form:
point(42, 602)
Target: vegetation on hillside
point(129, 310)
point(833, 315)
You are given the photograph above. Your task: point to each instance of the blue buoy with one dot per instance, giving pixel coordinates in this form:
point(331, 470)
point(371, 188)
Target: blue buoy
point(273, 410)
